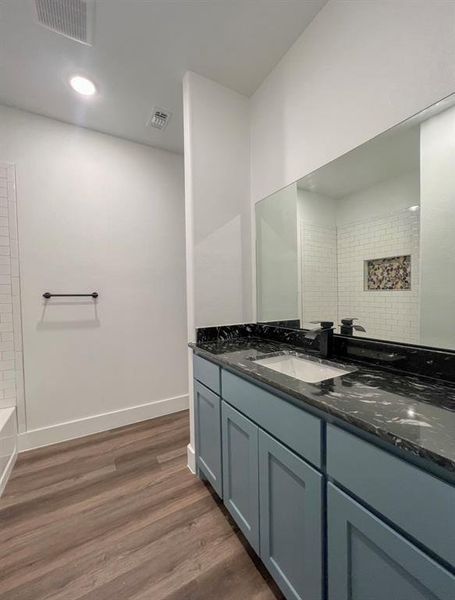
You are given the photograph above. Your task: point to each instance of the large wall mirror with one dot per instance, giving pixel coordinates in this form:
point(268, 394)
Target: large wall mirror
point(369, 236)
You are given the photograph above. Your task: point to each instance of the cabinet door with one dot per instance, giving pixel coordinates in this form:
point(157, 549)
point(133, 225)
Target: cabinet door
point(290, 498)
point(368, 560)
point(240, 472)
point(207, 408)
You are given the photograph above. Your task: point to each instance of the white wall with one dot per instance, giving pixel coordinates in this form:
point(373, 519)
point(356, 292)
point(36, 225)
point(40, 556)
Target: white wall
point(437, 230)
point(217, 209)
point(317, 209)
point(97, 213)
point(217, 190)
point(359, 68)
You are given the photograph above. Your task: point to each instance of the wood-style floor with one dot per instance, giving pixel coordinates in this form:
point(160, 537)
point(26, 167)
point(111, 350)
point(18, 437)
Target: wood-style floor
point(118, 516)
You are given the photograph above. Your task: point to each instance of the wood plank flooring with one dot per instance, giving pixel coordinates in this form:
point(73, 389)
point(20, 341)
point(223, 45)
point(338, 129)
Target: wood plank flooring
point(118, 516)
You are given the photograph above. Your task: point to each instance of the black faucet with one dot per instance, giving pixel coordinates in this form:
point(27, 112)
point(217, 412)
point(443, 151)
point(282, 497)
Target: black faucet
point(348, 327)
point(325, 333)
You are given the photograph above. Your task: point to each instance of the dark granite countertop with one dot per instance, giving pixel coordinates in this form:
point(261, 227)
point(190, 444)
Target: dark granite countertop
point(414, 414)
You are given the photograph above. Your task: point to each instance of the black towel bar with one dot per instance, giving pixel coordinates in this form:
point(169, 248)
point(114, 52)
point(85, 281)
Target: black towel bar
point(48, 295)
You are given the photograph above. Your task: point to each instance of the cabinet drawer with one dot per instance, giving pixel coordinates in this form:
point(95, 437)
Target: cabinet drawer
point(294, 427)
point(207, 373)
point(417, 502)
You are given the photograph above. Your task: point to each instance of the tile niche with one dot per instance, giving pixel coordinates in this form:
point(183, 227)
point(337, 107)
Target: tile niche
point(392, 273)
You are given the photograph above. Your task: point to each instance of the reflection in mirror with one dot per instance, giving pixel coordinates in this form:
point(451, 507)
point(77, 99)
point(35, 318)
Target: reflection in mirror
point(368, 241)
point(278, 257)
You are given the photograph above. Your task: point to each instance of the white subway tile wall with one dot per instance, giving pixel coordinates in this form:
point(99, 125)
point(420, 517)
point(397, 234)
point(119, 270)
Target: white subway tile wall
point(11, 358)
point(392, 315)
point(319, 272)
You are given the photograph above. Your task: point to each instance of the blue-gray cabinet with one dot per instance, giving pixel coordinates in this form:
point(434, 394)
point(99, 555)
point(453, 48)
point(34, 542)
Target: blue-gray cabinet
point(207, 410)
point(290, 498)
point(368, 560)
point(208, 374)
point(332, 516)
point(293, 426)
point(431, 520)
point(240, 471)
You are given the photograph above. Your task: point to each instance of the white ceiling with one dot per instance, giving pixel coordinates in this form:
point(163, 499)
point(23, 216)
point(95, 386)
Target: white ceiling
point(386, 156)
point(141, 51)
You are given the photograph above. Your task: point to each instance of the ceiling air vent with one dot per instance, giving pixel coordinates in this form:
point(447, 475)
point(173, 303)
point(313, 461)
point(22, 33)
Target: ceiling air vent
point(72, 18)
point(159, 119)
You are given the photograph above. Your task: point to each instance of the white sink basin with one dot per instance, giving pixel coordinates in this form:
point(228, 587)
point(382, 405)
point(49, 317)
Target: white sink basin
point(310, 371)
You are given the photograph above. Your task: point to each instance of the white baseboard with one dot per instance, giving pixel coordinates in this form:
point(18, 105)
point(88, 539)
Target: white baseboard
point(191, 457)
point(62, 432)
point(7, 472)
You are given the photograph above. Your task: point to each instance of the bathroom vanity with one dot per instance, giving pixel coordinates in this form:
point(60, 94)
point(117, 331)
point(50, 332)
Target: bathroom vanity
point(341, 473)
point(345, 487)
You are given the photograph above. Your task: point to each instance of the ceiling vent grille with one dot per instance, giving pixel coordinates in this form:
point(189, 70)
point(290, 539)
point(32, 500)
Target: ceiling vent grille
point(72, 18)
point(159, 119)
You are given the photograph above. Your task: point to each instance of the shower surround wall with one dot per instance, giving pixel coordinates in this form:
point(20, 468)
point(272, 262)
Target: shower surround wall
point(319, 272)
point(394, 314)
point(337, 237)
point(11, 363)
point(317, 236)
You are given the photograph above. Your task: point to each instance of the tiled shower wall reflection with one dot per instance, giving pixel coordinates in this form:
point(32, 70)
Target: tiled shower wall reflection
point(385, 314)
point(318, 272)
point(333, 274)
point(11, 358)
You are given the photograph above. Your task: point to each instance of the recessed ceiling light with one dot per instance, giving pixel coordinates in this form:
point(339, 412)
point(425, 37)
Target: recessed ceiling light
point(414, 208)
point(82, 85)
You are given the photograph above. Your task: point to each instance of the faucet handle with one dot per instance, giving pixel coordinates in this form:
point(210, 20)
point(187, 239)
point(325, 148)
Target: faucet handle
point(323, 324)
point(349, 322)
